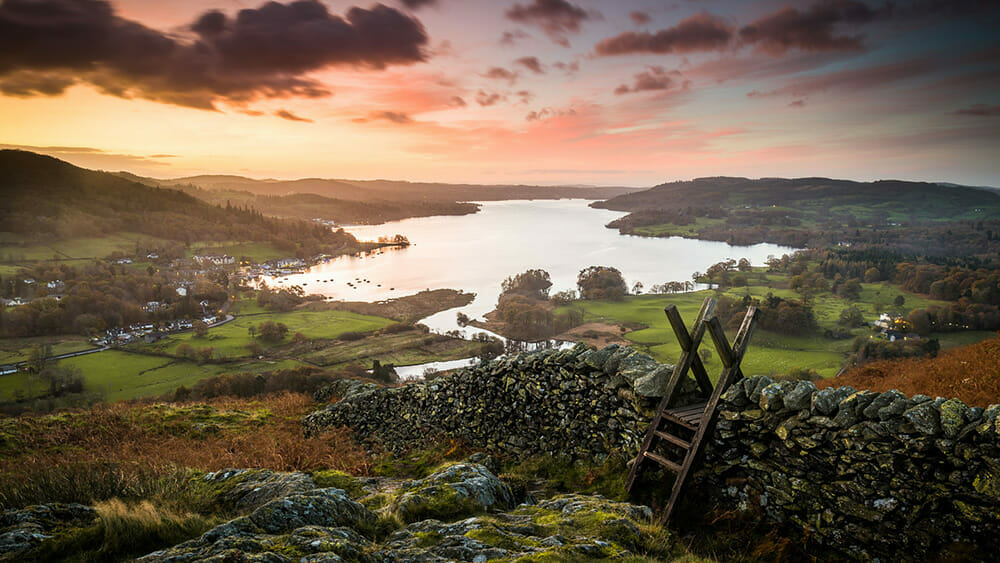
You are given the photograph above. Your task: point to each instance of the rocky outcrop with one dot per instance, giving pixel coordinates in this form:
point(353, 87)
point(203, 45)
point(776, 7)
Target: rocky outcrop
point(452, 492)
point(578, 401)
point(874, 474)
point(25, 533)
point(327, 525)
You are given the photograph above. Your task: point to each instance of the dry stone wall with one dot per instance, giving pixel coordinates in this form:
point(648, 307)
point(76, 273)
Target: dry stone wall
point(576, 402)
point(880, 475)
point(875, 475)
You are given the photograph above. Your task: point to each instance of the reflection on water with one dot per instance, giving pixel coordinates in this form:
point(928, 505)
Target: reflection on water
point(475, 253)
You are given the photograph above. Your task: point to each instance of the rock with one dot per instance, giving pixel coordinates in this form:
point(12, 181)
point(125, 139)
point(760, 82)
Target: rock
point(771, 397)
point(799, 397)
point(23, 532)
point(954, 415)
point(826, 401)
point(248, 489)
point(458, 490)
point(654, 383)
point(924, 417)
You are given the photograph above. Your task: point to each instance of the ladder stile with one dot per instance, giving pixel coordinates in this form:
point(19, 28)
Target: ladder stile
point(700, 417)
point(692, 342)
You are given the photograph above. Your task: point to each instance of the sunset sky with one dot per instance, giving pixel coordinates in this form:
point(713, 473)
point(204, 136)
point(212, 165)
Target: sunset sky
point(527, 91)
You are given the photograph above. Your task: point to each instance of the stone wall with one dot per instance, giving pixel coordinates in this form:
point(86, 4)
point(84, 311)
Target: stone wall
point(578, 402)
point(874, 474)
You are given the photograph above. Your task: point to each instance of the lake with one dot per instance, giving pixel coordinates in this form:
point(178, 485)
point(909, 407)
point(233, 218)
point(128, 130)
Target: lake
point(475, 253)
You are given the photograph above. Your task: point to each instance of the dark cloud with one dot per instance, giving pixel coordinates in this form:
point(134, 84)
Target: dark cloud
point(700, 32)
point(532, 64)
point(457, 101)
point(545, 113)
point(556, 18)
point(486, 99)
point(285, 114)
point(266, 52)
point(510, 37)
point(397, 117)
point(525, 96)
point(855, 79)
point(500, 73)
point(640, 18)
point(980, 110)
point(417, 4)
point(810, 30)
point(653, 78)
point(797, 103)
point(568, 68)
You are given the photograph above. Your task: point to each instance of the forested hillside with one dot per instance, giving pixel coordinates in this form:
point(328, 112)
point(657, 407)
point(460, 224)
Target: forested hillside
point(48, 199)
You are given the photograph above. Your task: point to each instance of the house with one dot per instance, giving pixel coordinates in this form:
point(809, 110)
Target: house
point(152, 306)
point(182, 291)
point(214, 259)
point(56, 286)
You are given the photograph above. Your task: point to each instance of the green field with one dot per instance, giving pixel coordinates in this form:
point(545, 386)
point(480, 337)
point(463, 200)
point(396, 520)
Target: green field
point(118, 375)
point(86, 248)
point(13, 350)
point(256, 251)
point(230, 340)
point(402, 349)
point(769, 352)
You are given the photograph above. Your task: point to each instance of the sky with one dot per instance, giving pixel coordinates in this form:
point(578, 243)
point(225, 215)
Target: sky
point(631, 93)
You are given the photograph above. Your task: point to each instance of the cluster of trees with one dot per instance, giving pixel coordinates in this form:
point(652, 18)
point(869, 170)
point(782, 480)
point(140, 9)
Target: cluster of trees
point(97, 297)
point(601, 282)
point(526, 310)
point(784, 316)
point(873, 349)
point(298, 380)
point(280, 299)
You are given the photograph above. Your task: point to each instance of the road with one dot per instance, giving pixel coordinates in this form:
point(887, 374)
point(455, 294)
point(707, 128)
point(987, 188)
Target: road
point(19, 365)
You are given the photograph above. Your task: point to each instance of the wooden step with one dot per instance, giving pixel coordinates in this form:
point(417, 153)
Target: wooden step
point(689, 415)
point(680, 421)
point(673, 439)
point(663, 461)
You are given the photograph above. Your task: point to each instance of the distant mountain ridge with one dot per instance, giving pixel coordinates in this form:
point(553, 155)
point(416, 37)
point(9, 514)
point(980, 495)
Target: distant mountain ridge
point(732, 191)
point(389, 190)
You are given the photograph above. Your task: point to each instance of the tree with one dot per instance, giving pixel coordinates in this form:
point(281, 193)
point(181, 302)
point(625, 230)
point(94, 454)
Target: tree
point(744, 265)
point(872, 275)
point(601, 282)
point(531, 283)
point(852, 317)
point(200, 329)
point(271, 331)
point(637, 288)
point(899, 301)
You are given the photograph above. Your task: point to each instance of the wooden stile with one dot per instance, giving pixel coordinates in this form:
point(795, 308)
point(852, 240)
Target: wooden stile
point(670, 425)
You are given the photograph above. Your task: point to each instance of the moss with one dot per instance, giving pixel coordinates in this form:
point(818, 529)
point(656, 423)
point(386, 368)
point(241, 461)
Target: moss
point(440, 503)
point(495, 537)
point(376, 501)
point(418, 464)
point(339, 480)
point(427, 539)
point(562, 474)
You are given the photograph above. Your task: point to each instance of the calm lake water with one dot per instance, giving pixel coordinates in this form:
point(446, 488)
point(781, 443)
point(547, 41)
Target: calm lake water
point(474, 253)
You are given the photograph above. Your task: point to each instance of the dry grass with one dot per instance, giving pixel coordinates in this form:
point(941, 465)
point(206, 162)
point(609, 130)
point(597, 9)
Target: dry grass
point(132, 450)
point(970, 373)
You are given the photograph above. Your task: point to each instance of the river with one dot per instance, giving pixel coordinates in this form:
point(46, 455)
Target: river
point(476, 252)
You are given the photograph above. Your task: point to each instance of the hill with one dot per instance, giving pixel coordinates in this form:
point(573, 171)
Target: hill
point(910, 217)
point(47, 199)
point(392, 190)
point(971, 373)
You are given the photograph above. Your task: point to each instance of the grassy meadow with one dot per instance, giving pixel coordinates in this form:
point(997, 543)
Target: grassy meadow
point(769, 352)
